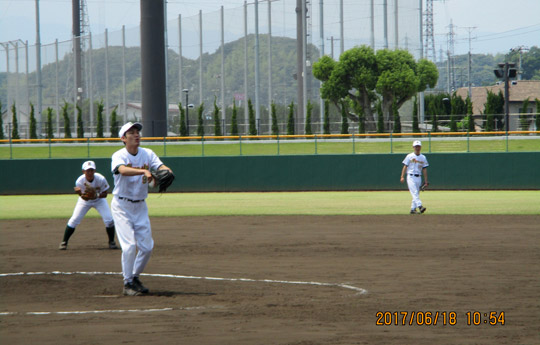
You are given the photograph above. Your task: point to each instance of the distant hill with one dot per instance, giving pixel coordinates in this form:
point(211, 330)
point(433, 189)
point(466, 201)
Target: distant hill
point(283, 72)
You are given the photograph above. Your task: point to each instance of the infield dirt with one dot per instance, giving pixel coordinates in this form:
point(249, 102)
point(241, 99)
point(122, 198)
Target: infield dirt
point(406, 263)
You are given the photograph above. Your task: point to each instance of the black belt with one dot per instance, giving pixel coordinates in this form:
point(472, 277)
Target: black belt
point(126, 199)
point(415, 175)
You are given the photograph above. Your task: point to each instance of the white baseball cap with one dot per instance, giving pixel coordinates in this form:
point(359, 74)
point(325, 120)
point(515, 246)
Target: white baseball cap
point(89, 165)
point(127, 127)
point(416, 143)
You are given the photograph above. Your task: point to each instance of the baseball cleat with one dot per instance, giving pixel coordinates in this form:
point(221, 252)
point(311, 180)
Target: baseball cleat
point(112, 245)
point(414, 212)
point(138, 285)
point(63, 246)
point(422, 209)
point(131, 290)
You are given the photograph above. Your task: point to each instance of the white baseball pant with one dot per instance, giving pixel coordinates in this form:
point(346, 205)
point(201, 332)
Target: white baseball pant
point(414, 183)
point(134, 235)
point(82, 207)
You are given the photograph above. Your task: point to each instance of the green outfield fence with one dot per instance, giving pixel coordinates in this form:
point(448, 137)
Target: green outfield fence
point(501, 141)
point(447, 171)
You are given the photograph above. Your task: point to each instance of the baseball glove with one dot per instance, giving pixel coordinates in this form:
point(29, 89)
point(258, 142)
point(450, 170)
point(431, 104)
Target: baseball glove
point(89, 193)
point(163, 178)
point(423, 188)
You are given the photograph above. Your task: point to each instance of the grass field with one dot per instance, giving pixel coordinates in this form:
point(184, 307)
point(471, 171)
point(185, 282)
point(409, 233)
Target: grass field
point(209, 148)
point(298, 203)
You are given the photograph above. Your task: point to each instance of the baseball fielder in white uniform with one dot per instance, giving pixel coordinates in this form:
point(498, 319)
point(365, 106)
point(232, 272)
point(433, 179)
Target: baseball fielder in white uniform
point(131, 169)
point(414, 165)
point(92, 188)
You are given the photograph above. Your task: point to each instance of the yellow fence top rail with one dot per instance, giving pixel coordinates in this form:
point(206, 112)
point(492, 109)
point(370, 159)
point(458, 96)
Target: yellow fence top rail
point(273, 137)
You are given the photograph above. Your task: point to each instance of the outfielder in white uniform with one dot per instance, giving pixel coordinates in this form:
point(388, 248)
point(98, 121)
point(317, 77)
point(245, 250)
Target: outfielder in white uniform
point(414, 165)
point(92, 189)
point(131, 169)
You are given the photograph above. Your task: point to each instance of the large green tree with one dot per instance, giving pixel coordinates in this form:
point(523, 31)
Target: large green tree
point(364, 76)
point(217, 119)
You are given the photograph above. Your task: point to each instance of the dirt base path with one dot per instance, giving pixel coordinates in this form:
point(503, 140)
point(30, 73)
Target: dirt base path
point(407, 263)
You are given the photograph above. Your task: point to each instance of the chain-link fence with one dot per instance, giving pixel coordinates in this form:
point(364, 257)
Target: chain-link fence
point(111, 66)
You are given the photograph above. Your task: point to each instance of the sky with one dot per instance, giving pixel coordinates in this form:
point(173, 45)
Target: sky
point(498, 27)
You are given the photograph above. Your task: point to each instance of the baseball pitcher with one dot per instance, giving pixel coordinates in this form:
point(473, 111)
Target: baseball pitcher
point(131, 169)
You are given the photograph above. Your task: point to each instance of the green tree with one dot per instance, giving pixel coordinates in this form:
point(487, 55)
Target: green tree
point(15, 124)
point(434, 123)
point(99, 128)
point(183, 128)
point(361, 117)
point(234, 120)
point(401, 77)
point(1, 122)
point(65, 115)
point(308, 118)
point(217, 120)
point(397, 119)
point(344, 121)
point(114, 123)
point(355, 70)
point(252, 123)
point(326, 124)
point(470, 118)
point(200, 125)
point(50, 134)
point(524, 119)
point(493, 107)
point(290, 122)
point(275, 127)
point(415, 126)
point(380, 118)
point(80, 128)
point(33, 124)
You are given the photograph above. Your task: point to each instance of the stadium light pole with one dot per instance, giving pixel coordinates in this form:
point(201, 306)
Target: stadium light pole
point(506, 71)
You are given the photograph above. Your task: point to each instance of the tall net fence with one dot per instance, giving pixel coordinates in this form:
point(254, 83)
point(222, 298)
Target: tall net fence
point(111, 66)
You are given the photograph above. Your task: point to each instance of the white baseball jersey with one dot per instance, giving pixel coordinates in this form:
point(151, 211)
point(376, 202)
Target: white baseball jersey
point(133, 187)
point(415, 163)
point(99, 183)
point(82, 207)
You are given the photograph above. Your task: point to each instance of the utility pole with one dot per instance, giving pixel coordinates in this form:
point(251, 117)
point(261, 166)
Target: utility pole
point(469, 61)
point(506, 71)
point(450, 54)
point(520, 49)
point(332, 39)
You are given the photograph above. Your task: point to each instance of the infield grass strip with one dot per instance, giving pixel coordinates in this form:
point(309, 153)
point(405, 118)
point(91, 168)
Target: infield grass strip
point(290, 203)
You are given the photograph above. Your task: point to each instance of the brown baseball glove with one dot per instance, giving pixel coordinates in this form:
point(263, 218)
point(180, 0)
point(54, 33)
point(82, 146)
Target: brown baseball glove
point(89, 194)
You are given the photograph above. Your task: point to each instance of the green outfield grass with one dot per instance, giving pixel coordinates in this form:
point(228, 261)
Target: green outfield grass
point(31, 151)
point(291, 203)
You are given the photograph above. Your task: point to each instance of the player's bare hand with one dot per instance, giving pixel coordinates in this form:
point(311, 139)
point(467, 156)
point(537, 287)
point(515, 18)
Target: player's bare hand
point(402, 180)
point(148, 175)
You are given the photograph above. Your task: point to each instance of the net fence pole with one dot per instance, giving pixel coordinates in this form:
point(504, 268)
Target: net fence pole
point(200, 58)
point(224, 129)
point(107, 116)
point(57, 91)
